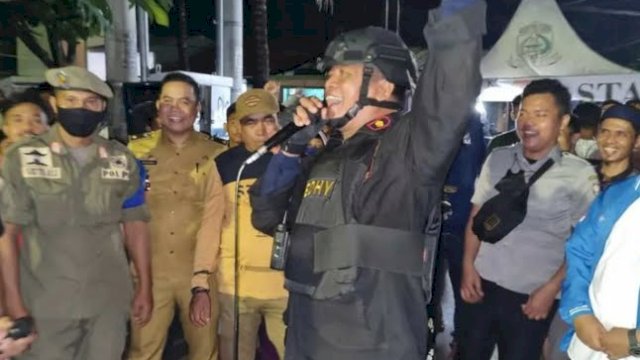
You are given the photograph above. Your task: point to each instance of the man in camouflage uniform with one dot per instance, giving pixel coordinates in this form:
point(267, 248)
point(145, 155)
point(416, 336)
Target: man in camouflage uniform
point(71, 194)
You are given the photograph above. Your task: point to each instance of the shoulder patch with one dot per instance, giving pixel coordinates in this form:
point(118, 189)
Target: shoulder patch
point(117, 169)
point(379, 124)
point(36, 162)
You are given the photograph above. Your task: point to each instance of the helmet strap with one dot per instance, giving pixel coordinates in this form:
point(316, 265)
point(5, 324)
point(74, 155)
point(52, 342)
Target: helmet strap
point(383, 104)
point(364, 100)
point(367, 73)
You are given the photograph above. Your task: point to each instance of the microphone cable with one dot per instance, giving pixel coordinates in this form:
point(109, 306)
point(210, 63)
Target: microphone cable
point(236, 265)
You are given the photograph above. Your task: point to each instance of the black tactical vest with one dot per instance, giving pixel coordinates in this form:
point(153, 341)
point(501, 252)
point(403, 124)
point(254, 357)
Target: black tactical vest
point(328, 245)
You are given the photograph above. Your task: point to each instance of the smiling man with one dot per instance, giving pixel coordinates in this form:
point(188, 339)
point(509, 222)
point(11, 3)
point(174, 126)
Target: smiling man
point(599, 299)
point(617, 136)
point(364, 212)
point(510, 282)
point(21, 117)
point(185, 200)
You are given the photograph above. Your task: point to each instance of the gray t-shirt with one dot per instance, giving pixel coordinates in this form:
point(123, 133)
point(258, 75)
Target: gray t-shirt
point(82, 155)
point(530, 254)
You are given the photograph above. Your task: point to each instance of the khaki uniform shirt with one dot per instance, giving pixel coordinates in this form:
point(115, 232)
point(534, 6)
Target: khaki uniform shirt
point(73, 262)
point(185, 199)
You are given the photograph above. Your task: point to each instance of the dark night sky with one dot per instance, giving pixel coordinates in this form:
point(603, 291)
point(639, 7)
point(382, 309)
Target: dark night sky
point(299, 32)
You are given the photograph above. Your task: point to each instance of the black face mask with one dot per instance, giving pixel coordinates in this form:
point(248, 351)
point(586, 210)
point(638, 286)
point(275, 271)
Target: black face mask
point(80, 122)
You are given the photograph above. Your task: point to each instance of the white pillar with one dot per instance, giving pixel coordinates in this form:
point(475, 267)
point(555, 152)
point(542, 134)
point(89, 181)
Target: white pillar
point(122, 62)
point(233, 61)
point(121, 43)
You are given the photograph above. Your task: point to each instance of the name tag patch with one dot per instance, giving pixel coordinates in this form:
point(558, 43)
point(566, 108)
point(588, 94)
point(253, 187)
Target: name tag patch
point(114, 174)
point(319, 188)
point(36, 162)
point(149, 161)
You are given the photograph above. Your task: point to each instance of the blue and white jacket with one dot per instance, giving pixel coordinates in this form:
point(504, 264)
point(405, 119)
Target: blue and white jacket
point(586, 246)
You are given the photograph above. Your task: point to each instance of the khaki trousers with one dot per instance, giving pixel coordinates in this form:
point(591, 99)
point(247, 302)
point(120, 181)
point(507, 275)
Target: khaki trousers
point(252, 311)
point(148, 342)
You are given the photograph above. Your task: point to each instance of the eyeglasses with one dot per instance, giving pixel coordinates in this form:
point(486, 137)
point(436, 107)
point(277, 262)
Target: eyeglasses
point(268, 120)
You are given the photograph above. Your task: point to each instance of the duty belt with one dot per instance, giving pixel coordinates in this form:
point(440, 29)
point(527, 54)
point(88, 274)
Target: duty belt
point(340, 250)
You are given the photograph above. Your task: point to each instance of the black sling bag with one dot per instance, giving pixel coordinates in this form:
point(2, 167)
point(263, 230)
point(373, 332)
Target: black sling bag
point(499, 215)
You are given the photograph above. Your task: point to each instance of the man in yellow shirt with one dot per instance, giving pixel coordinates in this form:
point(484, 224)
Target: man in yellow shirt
point(185, 199)
point(260, 289)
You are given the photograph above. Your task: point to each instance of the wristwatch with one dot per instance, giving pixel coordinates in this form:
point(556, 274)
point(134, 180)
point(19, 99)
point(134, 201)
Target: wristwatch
point(634, 347)
point(197, 290)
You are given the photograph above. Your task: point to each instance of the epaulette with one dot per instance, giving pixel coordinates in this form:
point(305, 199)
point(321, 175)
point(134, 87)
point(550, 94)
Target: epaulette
point(141, 136)
point(143, 143)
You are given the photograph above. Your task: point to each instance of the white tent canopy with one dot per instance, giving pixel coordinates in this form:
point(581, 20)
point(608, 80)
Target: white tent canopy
point(585, 88)
point(539, 42)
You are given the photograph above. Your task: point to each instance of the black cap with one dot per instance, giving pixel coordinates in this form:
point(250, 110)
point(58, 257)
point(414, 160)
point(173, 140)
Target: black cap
point(624, 112)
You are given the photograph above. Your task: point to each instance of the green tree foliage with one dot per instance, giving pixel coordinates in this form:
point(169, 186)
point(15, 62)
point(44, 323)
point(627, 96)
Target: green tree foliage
point(66, 22)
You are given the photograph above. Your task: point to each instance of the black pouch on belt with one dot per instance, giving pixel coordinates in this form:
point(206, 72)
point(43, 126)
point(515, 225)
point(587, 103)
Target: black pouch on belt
point(501, 214)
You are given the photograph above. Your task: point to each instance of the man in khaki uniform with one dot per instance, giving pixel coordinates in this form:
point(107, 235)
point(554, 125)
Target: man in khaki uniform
point(71, 193)
point(185, 198)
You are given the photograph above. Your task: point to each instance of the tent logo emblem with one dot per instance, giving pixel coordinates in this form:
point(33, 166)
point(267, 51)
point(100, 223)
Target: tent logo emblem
point(535, 46)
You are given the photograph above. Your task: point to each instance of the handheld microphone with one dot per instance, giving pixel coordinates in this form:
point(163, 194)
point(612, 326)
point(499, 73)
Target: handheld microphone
point(285, 117)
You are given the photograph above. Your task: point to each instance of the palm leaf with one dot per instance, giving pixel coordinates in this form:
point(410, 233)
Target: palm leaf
point(158, 10)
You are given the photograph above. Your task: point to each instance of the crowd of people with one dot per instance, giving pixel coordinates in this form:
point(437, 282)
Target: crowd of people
point(529, 198)
point(103, 244)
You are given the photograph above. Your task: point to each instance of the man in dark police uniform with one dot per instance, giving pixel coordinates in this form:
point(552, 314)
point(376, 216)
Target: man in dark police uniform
point(364, 214)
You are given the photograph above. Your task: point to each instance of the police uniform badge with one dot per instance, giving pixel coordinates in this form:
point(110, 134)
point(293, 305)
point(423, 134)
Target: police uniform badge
point(63, 79)
point(36, 162)
point(117, 170)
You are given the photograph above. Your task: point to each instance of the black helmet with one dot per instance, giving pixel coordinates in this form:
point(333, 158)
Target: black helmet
point(377, 46)
point(372, 47)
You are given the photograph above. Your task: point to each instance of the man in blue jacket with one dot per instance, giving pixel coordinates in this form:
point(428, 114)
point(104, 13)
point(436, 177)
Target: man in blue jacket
point(457, 193)
point(599, 299)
